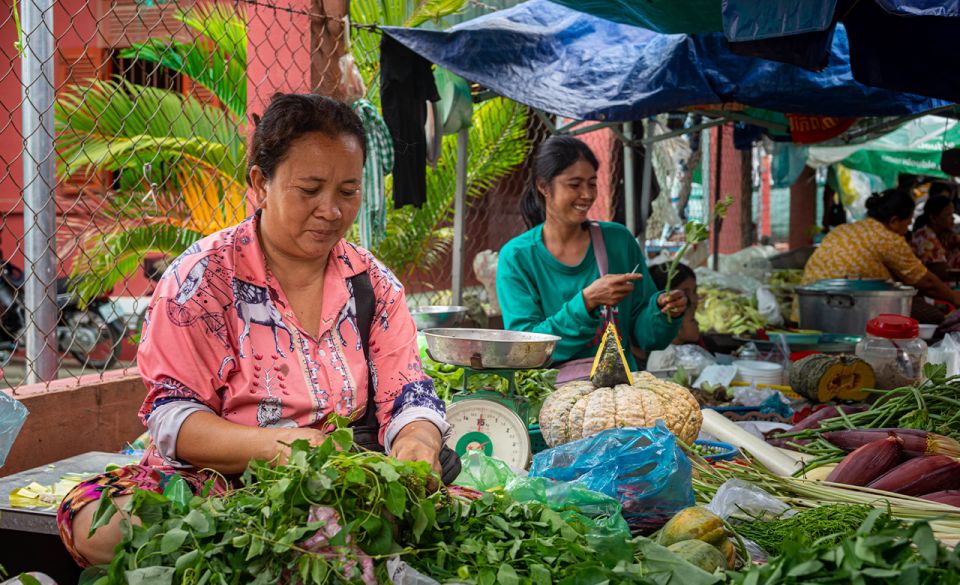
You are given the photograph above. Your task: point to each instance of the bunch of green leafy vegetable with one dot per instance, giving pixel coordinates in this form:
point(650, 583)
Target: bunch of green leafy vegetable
point(497, 540)
point(261, 531)
point(256, 533)
point(824, 524)
point(881, 552)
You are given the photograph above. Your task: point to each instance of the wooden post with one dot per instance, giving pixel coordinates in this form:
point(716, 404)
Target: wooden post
point(328, 42)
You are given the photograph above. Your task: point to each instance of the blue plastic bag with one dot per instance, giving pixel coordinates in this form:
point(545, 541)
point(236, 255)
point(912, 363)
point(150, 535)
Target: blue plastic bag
point(12, 415)
point(643, 468)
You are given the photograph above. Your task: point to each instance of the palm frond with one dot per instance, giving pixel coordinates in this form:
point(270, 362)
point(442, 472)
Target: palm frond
point(111, 125)
point(111, 257)
point(217, 62)
point(420, 238)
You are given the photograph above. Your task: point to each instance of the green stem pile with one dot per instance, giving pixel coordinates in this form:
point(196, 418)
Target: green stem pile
point(933, 405)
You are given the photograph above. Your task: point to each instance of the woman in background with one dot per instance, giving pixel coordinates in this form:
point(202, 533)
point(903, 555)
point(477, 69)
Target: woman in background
point(569, 277)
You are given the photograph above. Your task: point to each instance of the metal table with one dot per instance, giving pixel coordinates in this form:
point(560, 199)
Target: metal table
point(44, 520)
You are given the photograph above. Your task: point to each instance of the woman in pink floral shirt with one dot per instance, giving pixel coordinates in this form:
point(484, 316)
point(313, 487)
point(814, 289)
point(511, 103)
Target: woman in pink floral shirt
point(934, 240)
point(252, 338)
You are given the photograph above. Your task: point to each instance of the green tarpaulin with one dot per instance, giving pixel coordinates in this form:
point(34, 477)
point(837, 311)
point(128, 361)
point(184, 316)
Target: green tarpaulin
point(914, 148)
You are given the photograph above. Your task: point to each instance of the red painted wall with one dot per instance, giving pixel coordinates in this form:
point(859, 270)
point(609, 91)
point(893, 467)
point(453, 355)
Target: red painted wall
point(731, 183)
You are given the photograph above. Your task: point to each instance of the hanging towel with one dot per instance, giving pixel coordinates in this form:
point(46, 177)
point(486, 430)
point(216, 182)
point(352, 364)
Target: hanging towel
point(373, 205)
point(406, 85)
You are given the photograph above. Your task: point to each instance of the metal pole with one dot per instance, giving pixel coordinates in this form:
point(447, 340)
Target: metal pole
point(39, 209)
point(459, 210)
point(716, 199)
point(647, 178)
point(629, 186)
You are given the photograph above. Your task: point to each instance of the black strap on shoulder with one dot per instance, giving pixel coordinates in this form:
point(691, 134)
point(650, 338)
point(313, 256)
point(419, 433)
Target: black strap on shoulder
point(366, 429)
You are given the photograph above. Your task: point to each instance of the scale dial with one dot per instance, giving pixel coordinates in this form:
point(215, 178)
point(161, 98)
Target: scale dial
point(490, 427)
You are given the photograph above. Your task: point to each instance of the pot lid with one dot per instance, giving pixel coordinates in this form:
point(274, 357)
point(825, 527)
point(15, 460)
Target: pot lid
point(893, 327)
point(852, 285)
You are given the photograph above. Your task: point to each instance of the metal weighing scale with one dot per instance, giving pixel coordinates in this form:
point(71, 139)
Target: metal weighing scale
point(489, 422)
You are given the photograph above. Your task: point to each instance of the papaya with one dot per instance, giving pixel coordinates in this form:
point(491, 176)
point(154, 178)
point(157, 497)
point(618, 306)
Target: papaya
point(695, 523)
point(699, 554)
point(728, 550)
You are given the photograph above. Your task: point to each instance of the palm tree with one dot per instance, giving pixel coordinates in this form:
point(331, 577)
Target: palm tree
point(191, 155)
point(194, 153)
point(419, 238)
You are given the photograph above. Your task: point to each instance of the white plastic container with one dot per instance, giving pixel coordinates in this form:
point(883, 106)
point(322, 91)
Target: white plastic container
point(894, 350)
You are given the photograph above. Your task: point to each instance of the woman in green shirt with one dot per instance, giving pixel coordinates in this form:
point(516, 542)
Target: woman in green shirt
point(549, 279)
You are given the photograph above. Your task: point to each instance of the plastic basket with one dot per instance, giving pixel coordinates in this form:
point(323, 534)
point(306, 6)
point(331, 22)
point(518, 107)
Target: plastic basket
point(717, 451)
point(537, 443)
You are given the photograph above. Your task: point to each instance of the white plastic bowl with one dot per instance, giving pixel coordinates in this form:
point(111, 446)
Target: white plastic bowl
point(927, 331)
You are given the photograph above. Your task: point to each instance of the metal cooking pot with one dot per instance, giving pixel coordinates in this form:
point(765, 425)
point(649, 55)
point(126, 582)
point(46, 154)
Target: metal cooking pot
point(844, 306)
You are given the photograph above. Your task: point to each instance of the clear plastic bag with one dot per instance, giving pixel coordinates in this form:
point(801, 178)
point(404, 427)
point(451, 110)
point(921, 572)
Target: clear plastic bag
point(599, 514)
point(738, 498)
point(643, 468)
point(12, 415)
point(947, 352)
point(483, 473)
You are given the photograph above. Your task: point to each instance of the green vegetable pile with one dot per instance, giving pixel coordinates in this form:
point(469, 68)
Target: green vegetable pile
point(932, 405)
point(881, 552)
point(824, 524)
point(726, 311)
point(331, 515)
point(533, 386)
point(258, 533)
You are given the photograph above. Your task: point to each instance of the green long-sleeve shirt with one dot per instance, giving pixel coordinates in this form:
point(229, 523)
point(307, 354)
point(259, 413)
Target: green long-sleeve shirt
point(538, 293)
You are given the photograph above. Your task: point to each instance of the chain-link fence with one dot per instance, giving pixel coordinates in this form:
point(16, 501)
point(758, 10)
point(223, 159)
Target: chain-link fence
point(139, 151)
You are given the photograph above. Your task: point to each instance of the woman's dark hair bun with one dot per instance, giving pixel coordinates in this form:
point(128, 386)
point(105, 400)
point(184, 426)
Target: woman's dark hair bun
point(891, 204)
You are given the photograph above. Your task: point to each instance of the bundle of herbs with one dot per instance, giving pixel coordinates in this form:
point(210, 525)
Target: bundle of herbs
point(830, 524)
point(881, 552)
point(325, 516)
point(332, 515)
point(806, 493)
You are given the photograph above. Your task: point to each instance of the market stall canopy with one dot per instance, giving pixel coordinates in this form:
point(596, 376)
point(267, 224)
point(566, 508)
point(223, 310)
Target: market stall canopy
point(584, 67)
point(914, 148)
point(903, 45)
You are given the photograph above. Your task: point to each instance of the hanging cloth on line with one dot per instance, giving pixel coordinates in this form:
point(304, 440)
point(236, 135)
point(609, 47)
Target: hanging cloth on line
point(379, 163)
point(406, 85)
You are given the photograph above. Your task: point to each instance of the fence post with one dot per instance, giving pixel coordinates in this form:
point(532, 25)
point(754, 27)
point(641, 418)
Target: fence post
point(39, 182)
point(629, 182)
point(459, 210)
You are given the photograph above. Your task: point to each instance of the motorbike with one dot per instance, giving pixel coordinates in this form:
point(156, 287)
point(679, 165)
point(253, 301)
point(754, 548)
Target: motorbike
point(91, 334)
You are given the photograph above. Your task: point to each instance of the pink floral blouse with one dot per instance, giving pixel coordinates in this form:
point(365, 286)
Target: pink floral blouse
point(220, 336)
point(930, 249)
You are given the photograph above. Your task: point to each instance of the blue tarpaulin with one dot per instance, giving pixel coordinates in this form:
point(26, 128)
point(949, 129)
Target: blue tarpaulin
point(580, 66)
point(903, 45)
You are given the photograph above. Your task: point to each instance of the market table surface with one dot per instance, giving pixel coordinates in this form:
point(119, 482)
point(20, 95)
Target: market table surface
point(44, 520)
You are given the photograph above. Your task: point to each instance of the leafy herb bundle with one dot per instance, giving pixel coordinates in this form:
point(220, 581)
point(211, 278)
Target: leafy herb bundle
point(881, 552)
point(824, 524)
point(269, 530)
point(257, 533)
